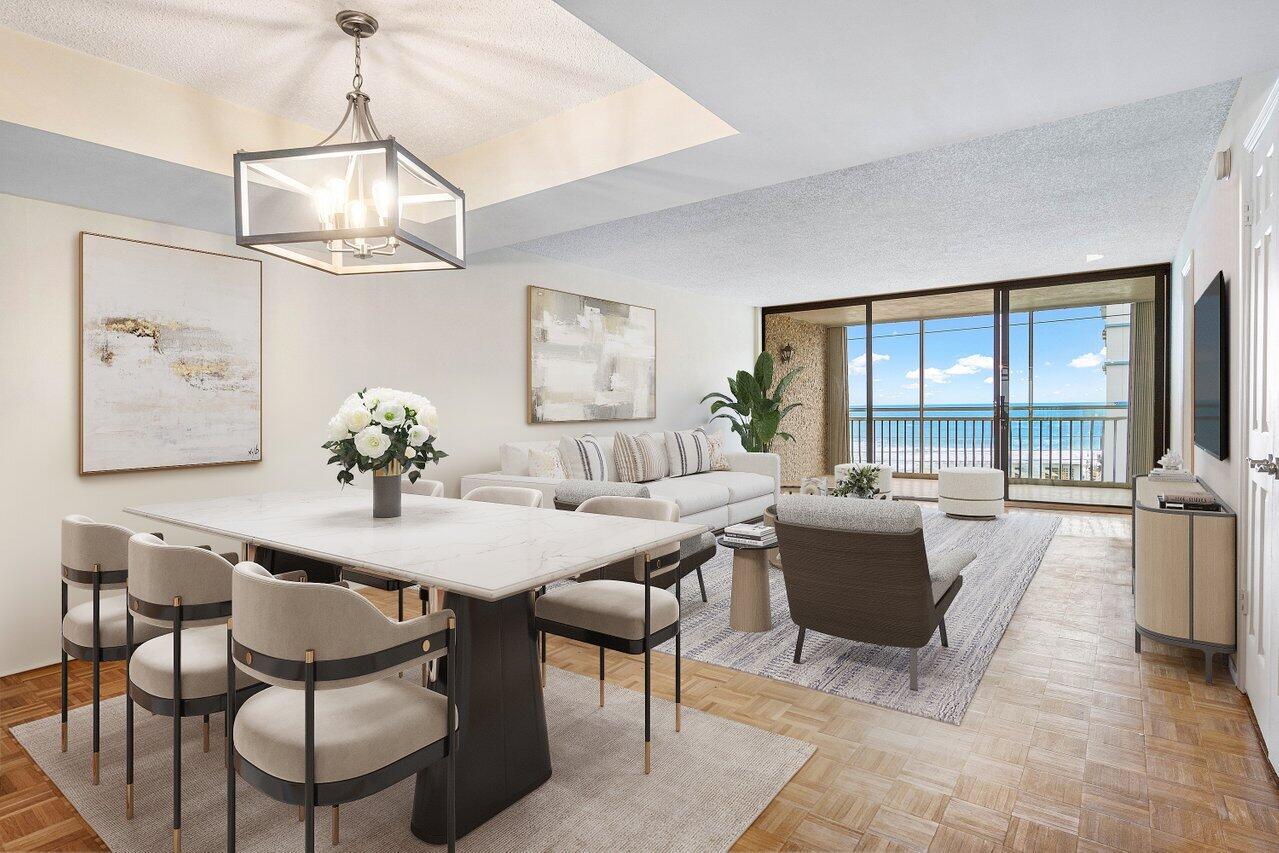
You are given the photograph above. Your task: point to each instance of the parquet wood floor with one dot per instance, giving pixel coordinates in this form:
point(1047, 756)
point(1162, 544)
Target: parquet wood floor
point(1073, 742)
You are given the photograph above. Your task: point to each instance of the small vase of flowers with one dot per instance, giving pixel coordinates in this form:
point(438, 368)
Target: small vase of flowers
point(387, 432)
point(859, 482)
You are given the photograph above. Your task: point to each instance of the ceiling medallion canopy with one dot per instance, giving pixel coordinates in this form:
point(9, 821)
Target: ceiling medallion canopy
point(364, 205)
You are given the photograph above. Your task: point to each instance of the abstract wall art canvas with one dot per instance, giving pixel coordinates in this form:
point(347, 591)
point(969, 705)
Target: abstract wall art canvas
point(170, 356)
point(590, 359)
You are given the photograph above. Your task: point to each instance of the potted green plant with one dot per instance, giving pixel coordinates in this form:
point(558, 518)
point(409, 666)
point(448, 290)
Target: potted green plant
point(860, 481)
point(753, 407)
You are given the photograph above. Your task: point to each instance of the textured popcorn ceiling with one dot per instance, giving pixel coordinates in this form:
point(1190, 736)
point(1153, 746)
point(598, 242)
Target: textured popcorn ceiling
point(1119, 182)
point(443, 74)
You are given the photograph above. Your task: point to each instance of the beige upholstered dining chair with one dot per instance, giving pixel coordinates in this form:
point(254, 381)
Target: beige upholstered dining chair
point(513, 495)
point(95, 557)
point(621, 615)
point(331, 727)
point(186, 590)
point(423, 486)
point(429, 488)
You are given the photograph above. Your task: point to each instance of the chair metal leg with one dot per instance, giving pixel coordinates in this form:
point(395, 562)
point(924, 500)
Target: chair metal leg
point(701, 583)
point(128, 717)
point(941, 626)
point(678, 630)
point(914, 669)
point(1207, 667)
point(64, 668)
point(308, 793)
point(648, 665)
point(205, 732)
point(543, 658)
point(799, 644)
point(334, 839)
point(601, 676)
point(1136, 646)
point(177, 724)
point(97, 666)
point(230, 744)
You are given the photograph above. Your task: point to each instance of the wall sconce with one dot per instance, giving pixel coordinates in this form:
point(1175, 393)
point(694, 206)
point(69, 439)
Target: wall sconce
point(787, 353)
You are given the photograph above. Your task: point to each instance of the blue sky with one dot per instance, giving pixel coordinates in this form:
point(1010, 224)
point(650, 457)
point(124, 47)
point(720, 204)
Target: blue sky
point(959, 364)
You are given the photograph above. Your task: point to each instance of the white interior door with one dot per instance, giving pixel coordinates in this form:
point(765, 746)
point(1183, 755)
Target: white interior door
point(1260, 516)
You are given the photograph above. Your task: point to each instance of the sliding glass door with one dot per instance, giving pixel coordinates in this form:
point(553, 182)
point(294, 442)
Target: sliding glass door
point(1061, 384)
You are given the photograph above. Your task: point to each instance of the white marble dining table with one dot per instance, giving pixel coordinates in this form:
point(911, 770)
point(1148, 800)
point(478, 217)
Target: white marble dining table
point(488, 558)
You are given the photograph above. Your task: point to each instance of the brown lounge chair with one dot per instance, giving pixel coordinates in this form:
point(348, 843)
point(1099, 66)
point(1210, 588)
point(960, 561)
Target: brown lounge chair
point(857, 569)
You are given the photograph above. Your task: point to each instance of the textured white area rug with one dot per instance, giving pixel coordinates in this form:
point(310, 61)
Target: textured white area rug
point(1009, 551)
point(708, 784)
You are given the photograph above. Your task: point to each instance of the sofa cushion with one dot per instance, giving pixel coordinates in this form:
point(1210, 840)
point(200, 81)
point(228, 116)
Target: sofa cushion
point(514, 455)
point(692, 494)
point(741, 485)
point(583, 458)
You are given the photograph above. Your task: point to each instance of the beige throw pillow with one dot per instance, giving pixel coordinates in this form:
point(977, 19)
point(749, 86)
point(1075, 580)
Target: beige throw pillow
point(583, 458)
point(638, 458)
point(545, 463)
point(719, 462)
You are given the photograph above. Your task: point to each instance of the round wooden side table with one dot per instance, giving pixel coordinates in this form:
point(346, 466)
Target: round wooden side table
point(750, 606)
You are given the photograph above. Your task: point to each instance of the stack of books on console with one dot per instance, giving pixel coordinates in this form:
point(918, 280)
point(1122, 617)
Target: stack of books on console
point(758, 535)
point(1170, 475)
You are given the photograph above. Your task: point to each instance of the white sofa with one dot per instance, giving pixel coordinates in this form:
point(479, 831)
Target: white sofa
point(714, 498)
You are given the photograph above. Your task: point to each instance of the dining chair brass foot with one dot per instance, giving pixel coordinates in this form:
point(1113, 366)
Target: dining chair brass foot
point(677, 707)
point(177, 841)
point(601, 693)
point(543, 673)
point(95, 768)
point(64, 737)
point(301, 814)
point(206, 734)
point(648, 757)
point(128, 801)
point(335, 825)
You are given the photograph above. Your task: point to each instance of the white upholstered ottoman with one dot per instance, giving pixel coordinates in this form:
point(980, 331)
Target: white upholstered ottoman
point(885, 475)
point(971, 492)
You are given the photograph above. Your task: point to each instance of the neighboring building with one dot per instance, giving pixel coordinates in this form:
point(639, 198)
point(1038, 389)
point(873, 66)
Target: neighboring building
point(1115, 335)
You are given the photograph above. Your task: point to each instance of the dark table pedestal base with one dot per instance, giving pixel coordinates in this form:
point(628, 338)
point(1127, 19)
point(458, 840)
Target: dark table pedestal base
point(504, 752)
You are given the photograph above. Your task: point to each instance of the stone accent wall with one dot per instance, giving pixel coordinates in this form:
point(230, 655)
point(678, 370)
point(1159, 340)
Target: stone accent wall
point(806, 455)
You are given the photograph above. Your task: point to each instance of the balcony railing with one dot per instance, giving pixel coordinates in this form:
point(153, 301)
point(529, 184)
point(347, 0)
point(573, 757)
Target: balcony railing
point(1061, 444)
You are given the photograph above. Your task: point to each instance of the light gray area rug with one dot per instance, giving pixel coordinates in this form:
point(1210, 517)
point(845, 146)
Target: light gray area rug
point(709, 783)
point(1009, 551)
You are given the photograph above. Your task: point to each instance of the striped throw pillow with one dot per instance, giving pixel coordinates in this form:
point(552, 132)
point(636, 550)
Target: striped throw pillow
point(582, 458)
point(638, 458)
point(688, 452)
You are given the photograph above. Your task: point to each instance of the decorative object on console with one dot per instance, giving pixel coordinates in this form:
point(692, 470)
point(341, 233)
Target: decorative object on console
point(859, 481)
point(590, 359)
point(170, 356)
point(583, 458)
point(365, 205)
point(387, 432)
point(754, 409)
point(812, 486)
point(688, 452)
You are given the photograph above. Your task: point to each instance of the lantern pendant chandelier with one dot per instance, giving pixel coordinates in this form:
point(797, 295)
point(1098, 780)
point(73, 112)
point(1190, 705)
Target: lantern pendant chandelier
point(360, 206)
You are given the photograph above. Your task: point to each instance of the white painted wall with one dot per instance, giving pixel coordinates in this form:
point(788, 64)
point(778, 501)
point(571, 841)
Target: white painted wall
point(1213, 242)
point(457, 337)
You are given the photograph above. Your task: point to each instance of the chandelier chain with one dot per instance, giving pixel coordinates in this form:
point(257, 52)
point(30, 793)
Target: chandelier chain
point(358, 80)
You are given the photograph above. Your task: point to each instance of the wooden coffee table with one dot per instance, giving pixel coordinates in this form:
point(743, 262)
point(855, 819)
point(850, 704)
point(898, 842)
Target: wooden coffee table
point(750, 608)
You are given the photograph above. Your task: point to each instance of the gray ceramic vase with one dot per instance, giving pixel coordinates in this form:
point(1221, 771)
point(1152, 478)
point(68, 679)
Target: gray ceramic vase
point(386, 491)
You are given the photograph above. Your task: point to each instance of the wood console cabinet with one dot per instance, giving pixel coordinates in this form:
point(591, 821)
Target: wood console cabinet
point(1183, 571)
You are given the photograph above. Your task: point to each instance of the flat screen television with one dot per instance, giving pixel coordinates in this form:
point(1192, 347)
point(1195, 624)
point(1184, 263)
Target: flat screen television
point(1212, 369)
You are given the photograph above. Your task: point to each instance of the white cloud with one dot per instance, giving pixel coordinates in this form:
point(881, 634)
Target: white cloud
point(911, 386)
point(989, 380)
point(1089, 359)
point(858, 364)
point(931, 374)
point(970, 364)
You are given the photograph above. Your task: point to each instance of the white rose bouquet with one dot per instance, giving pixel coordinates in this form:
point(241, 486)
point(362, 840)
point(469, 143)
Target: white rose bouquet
point(381, 427)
